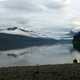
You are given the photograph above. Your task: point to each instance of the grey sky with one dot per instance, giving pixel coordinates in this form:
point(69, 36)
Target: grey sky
point(41, 5)
point(39, 12)
point(34, 5)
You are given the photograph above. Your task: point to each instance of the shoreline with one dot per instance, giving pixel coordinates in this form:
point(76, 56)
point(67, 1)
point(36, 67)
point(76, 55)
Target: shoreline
point(41, 72)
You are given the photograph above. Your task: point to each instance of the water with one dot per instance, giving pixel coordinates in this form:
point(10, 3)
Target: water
point(35, 32)
point(37, 40)
point(54, 48)
point(55, 54)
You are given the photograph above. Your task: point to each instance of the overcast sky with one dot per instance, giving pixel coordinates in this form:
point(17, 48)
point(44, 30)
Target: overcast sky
point(40, 11)
point(75, 6)
point(35, 5)
point(41, 5)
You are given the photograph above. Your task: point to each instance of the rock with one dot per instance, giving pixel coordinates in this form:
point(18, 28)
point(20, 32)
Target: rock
point(14, 28)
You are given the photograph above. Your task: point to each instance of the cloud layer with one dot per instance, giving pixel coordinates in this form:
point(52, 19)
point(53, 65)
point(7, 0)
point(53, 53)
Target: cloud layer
point(38, 14)
point(35, 5)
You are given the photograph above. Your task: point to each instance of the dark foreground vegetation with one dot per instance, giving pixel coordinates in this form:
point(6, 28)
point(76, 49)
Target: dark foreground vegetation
point(44, 72)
